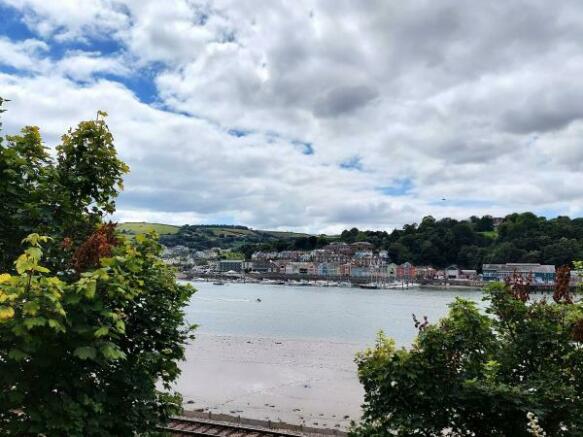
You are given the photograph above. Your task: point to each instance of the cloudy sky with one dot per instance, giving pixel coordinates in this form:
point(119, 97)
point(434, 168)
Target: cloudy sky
point(312, 115)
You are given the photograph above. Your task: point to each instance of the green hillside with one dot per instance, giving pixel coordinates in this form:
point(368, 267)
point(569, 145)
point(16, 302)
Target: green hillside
point(240, 239)
point(134, 228)
point(200, 237)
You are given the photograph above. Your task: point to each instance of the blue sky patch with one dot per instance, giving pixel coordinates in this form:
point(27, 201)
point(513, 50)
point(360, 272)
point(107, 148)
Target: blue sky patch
point(12, 25)
point(353, 163)
point(305, 148)
point(400, 187)
point(238, 132)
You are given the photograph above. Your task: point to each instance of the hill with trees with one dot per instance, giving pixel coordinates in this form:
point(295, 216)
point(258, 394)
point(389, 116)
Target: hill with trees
point(518, 237)
point(522, 237)
point(237, 238)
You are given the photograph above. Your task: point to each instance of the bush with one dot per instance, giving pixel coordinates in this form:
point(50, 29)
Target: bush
point(480, 374)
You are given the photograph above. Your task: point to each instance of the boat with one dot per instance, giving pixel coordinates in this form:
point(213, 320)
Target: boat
point(218, 283)
point(369, 286)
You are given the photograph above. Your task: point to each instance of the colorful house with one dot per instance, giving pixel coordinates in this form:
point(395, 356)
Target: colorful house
point(405, 272)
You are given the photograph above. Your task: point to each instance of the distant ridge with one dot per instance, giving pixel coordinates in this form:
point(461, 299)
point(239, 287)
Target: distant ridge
point(134, 228)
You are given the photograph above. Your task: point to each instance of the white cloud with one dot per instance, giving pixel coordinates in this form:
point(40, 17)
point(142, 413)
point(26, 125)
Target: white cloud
point(22, 55)
point(453, 97)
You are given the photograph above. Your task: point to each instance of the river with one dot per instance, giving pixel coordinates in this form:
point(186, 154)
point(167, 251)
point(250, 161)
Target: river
point(287, 352)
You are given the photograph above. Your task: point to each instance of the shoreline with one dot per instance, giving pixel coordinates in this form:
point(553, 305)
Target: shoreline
point(307, 383)
point(335, 283)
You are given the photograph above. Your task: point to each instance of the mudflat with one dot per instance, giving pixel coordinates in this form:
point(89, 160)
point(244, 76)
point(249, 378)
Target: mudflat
point(310, 382)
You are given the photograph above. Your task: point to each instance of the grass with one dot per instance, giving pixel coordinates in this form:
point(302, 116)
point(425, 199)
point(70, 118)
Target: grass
point(135, 228)
point(284, 234)
point(490, 234)
point(231, 231)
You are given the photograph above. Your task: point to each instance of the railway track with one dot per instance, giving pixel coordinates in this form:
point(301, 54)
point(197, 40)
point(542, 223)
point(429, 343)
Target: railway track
point(185, 427)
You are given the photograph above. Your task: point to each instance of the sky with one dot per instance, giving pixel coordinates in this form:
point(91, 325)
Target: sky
point(312, 115)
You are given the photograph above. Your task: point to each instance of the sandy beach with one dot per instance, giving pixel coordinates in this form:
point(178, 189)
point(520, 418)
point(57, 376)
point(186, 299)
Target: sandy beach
point(308, 382)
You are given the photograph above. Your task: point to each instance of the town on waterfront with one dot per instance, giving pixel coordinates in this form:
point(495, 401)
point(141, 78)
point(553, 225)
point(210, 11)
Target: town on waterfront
point(434, 252)
point(350, 264)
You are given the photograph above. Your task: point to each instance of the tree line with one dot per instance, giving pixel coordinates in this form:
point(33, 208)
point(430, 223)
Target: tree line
point(519, 237)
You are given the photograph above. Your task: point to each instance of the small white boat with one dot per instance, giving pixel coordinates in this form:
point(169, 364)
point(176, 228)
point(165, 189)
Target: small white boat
point(370, 286)
point(218, 283)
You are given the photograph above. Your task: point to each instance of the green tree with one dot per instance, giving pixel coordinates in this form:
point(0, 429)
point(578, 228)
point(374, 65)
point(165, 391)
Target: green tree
point(480, 374)
point(92, 325)
point(64, 199)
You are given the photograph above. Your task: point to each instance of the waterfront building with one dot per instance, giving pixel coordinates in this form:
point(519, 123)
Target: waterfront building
point(345, 268)
point(360, 272)
point(540, 274)
point(264, 267)
point(425, 273)
point(300, 268)
point(227, 265)
point(327, 269)
point(405, 272)
point(452, 272)
point(468, 275)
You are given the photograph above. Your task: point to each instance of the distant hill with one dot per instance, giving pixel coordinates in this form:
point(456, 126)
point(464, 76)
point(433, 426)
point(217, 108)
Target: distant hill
point(238, 238)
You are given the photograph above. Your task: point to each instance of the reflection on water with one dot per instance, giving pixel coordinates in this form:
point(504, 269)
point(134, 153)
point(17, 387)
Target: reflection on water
point(325, 313)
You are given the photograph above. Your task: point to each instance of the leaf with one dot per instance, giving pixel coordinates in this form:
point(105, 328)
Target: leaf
point(56, 325)
point(34, 322)
point(111, 352)
point(6, 313)
point(120, 326)
point(41, 269)
point(34, 253)
point(30, 308)
point(17, 355)
point(23, 264)
point(101, 332)
point(85, 352)
point(90, 289)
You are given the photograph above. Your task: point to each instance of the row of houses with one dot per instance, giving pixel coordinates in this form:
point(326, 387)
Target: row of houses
point(359, 260)
point(537, 273)
point(406, 272)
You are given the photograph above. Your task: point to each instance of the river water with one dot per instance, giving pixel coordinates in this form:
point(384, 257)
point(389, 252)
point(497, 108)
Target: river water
point(287, 352)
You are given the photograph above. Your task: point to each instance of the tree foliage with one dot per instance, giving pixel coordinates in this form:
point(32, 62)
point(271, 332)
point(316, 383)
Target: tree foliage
point(470, 243)
point(66, 197)
point(480, 374)
point(92, 325)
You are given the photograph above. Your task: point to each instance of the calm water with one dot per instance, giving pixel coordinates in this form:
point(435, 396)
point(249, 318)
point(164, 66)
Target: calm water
point(323, 313)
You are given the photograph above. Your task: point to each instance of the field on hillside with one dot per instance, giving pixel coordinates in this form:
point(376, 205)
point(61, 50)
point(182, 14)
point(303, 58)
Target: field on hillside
point(134, 228)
